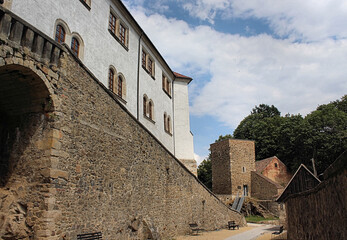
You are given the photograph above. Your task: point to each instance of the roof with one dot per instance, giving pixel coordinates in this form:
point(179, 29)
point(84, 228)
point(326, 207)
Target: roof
point(269, 180)
point(178, 75)
point(142, 33)
point(261, 164)
point(181, 75)
point(302, 181)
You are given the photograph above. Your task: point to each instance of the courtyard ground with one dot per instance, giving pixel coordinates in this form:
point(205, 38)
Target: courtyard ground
point(251, 232)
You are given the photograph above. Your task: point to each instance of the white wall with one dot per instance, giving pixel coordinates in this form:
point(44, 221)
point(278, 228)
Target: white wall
point(184, 148)
point(101, 50)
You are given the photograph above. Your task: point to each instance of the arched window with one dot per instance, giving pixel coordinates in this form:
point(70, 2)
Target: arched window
point(150, 110)
point(75, 46)
point(144, 105)
point(60, 34)
point(111, 79)
point(120, 86)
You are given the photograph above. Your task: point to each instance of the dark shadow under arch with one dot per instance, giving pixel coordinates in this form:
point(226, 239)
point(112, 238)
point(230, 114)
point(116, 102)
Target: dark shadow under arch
point(24, 99)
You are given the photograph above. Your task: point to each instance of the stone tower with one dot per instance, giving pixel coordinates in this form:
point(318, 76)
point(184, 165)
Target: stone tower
point(232, 163)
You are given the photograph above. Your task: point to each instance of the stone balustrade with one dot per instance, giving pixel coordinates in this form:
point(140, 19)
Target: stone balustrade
point(18, 33)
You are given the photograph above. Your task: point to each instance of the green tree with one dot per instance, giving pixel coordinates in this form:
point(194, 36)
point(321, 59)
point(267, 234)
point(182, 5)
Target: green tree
point(265, 111)
point(320, 135)
point(261, 126)
point(327, 134)
point(205, 172)
point(221, 137)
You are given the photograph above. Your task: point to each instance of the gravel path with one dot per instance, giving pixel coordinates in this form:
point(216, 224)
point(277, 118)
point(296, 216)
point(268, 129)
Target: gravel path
point(253, 233)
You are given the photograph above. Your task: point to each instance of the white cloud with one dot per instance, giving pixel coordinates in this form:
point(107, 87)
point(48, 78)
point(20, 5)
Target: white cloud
point(198, 158)
point(247, 71)
point(308, 20)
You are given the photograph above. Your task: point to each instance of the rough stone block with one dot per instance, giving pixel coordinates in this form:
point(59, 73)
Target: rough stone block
point(38, 45)
point(28, 38)
point(55, 55)
point(5, 24)
point(16, 32)
point(47, 50)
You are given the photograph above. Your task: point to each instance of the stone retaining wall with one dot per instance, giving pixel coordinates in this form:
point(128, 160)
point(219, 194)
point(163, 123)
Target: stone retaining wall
point(96, 167)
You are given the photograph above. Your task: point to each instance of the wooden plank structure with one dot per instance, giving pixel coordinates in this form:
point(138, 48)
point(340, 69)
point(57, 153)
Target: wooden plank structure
point(302, 181)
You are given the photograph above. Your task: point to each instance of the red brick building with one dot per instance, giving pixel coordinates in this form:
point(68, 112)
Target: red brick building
point(274, 169)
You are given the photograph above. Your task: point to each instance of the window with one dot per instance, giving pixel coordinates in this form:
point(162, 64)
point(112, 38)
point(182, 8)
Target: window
point(111, 79)
point(75, 46)
point(112, 24)
point(117, 83)
point(243, 169)
point(60, 34)
point(166, 85)
point(118, 30)
point(144, 57)
point(122, 31)
point(148, 108)
point(275, 165)
point(167, 123)
point(120, 86)
point(148, 63)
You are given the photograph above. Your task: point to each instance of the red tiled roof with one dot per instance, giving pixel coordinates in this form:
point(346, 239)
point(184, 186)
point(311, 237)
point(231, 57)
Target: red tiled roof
point(261, 165)
point(181, 76)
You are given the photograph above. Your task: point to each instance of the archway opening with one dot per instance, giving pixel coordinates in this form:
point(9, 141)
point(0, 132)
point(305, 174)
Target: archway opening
point(24, 99)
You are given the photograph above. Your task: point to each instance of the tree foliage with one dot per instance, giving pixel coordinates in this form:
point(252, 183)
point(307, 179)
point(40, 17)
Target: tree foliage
point(294, 139)
point(320, 135)
point(205, 172)
point(221, 137)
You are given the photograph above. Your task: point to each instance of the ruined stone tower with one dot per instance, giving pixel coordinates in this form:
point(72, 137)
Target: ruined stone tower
point(232, 163)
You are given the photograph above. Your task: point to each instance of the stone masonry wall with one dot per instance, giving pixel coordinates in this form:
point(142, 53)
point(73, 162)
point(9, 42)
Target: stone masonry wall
point(89, 165)
point(221, 174)
point(232, 163)
point(242, 155)
point(263, 189)
point(122, 181)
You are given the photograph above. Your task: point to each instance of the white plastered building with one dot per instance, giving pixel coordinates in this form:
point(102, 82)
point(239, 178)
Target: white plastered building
point(112, 45)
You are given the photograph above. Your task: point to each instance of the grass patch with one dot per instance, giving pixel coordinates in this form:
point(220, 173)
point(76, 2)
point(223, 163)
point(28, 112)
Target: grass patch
point(255, 219)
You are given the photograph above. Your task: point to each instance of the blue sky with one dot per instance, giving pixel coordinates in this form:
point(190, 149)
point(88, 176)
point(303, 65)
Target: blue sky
point(241, 53)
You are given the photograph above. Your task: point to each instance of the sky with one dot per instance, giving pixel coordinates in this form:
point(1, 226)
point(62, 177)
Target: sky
point(241, 53)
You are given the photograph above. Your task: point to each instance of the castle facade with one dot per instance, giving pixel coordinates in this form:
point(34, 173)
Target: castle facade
point(115, 49)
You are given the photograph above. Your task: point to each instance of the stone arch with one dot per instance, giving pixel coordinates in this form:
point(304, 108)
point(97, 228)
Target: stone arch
point(25, 137)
